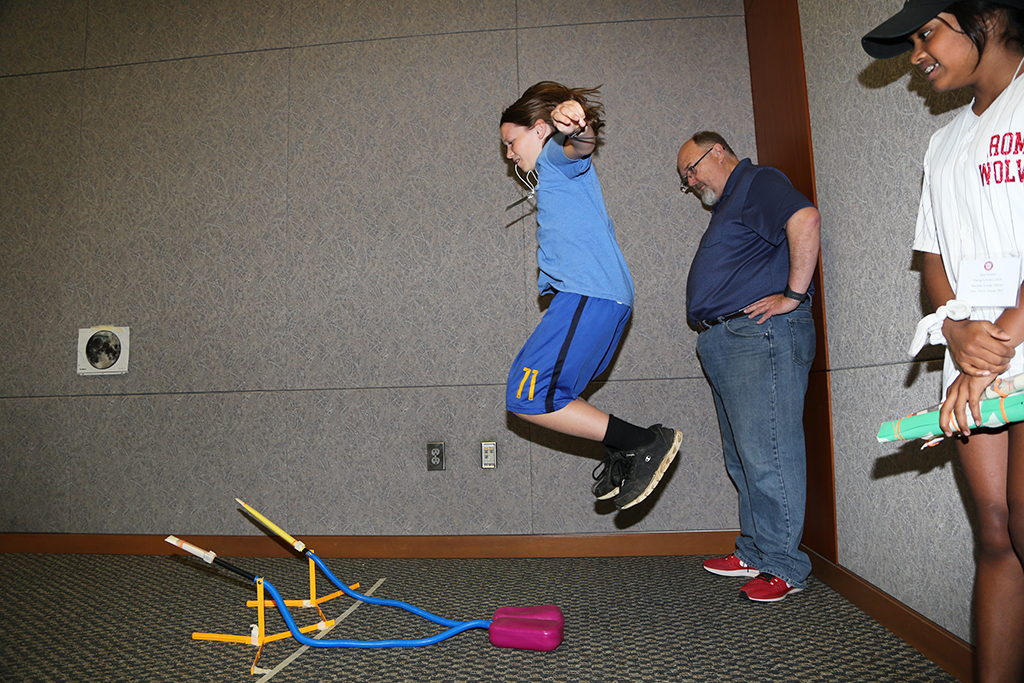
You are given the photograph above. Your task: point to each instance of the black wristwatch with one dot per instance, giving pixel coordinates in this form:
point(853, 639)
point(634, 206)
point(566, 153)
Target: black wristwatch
point(797, 296)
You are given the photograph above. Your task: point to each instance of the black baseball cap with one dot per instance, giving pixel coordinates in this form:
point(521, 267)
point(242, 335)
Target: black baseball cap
point(891, 38)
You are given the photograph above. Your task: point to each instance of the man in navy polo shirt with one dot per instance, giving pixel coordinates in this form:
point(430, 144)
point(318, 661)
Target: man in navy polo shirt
point(748, 293)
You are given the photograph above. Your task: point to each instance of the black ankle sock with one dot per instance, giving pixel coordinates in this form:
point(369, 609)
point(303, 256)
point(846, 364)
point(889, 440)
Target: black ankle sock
point(623, 436)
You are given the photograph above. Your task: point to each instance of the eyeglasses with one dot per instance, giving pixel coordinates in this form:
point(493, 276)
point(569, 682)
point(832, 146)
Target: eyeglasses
point(691, 171)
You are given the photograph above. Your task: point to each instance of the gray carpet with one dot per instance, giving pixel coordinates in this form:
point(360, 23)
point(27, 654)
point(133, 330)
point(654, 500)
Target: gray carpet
point(130, 618)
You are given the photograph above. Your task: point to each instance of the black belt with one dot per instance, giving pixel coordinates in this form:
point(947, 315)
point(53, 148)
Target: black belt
point(703, 325)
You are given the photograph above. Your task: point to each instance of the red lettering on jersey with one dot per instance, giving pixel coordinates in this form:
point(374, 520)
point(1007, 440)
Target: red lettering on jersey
point(1002, 172)
point(1007, 144)
point(1020, 171)
point(986, 173)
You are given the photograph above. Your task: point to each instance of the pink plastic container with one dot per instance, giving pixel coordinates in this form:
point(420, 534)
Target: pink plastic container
point(528, 628)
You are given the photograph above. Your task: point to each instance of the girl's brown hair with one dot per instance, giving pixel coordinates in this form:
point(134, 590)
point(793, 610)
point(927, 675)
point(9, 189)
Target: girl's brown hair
point(540, 100)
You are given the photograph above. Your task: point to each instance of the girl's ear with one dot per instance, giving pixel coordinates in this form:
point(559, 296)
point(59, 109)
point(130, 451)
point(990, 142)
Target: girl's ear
point(541, 128)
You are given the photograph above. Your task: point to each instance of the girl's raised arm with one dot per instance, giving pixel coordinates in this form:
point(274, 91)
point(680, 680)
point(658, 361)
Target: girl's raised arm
point(571, 119)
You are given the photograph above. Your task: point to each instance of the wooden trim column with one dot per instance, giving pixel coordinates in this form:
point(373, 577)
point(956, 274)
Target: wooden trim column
point(783, 128)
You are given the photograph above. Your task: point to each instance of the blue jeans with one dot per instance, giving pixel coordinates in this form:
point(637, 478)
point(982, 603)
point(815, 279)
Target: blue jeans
point(758, 376)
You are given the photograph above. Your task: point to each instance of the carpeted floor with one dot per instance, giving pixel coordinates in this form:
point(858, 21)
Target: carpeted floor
point(118, 618)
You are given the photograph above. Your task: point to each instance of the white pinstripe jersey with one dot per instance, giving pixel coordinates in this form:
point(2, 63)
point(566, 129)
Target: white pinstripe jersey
point(972, 202)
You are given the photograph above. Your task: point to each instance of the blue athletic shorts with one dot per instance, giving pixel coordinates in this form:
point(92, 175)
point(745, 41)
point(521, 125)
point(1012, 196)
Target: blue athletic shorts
point(572, 345)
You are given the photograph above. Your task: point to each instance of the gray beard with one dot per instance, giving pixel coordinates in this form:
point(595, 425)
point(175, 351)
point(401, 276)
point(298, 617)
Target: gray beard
point(708, 197)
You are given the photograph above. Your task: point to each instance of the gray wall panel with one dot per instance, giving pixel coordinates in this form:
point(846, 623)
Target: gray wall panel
point(36, 458)
point(150, 464)
point(359, 463)
point(903, 521)
point(403, 258)
point(148, 30)
point(42, 36)
point(330, 21)
point(871, 122)
point(184, 178)
point(40, 152)
point(540, 13)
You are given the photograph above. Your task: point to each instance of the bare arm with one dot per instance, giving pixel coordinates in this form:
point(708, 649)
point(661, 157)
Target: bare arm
point(803, 232)
point(570, 119)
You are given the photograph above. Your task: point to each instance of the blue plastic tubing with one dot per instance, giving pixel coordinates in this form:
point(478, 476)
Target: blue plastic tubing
point(454, 626)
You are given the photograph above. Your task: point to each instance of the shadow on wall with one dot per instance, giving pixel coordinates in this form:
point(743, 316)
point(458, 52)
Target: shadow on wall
point(884, 72)
point(911, 457)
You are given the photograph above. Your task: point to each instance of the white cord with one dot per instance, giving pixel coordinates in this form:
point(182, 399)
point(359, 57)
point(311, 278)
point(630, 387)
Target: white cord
point(526, 181)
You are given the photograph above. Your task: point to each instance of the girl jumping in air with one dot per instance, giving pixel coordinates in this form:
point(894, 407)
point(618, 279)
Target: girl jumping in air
point(970, 216)
point(551, 132)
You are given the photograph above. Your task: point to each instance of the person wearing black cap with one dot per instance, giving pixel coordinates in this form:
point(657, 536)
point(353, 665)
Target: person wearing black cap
point(971, 220)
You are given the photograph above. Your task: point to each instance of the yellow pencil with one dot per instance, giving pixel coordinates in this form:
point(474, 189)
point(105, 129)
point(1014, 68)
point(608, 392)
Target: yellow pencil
point(298, 545)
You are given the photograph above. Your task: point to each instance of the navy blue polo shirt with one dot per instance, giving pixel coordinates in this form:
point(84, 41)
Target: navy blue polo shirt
point(744, 254)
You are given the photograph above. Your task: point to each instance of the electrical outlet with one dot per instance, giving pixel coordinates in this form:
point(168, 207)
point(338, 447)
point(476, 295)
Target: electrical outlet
point(488, 455)
point(435, 455)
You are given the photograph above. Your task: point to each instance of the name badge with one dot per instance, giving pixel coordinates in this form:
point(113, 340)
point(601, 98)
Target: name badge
point(989, 282)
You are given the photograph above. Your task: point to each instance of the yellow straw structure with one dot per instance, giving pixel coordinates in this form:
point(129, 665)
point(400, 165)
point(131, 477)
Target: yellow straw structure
point(298, 545)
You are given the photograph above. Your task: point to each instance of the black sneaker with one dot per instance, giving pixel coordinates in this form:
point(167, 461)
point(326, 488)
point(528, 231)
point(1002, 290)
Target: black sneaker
point(646, 466)
point(609, 474)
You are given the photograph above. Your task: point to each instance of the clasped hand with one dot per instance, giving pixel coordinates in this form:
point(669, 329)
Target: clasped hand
point(569, 117)
point(982, 352)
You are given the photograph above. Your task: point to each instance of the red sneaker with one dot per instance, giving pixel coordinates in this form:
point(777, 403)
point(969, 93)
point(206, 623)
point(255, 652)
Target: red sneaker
point(729, 566)
point(767, 588)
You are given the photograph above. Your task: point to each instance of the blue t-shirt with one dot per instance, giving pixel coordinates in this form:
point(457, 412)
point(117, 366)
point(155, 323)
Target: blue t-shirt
point(577, 249)
point(744, 254)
